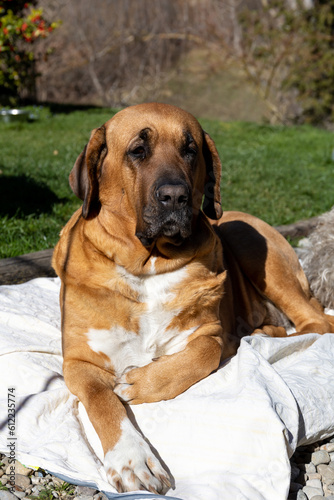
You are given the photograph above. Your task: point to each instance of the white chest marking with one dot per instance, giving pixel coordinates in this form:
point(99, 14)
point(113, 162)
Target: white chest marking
point(125, 348)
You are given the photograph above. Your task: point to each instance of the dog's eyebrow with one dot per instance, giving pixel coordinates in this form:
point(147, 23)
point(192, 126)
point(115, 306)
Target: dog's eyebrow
point(143, 134)
point(188, 136)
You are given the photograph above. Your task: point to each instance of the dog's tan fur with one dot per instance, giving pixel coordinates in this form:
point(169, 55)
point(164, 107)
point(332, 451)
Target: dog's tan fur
point(209, 287)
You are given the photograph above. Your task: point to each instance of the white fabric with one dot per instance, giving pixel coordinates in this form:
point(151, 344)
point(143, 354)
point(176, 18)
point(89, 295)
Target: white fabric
point(228, 437)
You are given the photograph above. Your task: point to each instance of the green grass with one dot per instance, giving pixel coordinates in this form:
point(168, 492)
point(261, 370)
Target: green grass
point(279, 174)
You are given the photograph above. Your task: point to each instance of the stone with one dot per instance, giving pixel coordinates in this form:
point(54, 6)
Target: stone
point(318, 497)
point(1, 472)
point(83, 497)
point(4, 480)
point(22, 481)
point(100, 496)
point(5, 461)
point(312, 492)
point(320, 457)
point(6, 495)
point(310, 468)
point(19, 494)
point(316, 475)
point(57, 481)
point(35, 480)
point(327, 473)
point(19, 469)
point(315, 483)
point(301, 495)
point(85, 491)
point(328, 447)
point(36, 489)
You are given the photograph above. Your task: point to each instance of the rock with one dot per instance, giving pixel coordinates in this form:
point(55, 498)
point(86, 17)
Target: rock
point(328, 447)
point(57, 481)
point(22, 481)
point(19, 469)
point(4, 480)
point(6, 495)
point(315, 483)
point(312, 492)
point(19, 494)
point(5, 461)
point(301, 495)
point(316, 475)
point(320, 457)
point(318, 497)
point(327, 473)
point(36, 489)
point(35, 480)
point(85, 491)
point(1, 472)
point(100, 496)
point(310, 468)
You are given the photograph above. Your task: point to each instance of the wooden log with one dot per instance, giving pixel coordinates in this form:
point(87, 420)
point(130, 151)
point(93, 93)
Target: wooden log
point(26, 267)
point(300, 229)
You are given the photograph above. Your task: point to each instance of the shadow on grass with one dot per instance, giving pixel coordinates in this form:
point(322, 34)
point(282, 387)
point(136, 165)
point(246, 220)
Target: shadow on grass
point(21, 196)
point(57, 108)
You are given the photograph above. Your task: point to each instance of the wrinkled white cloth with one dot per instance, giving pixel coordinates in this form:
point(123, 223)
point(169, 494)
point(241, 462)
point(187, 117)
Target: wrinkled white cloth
point(228, 437)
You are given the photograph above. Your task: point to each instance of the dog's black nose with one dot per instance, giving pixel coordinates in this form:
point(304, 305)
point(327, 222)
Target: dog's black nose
point(173, 196)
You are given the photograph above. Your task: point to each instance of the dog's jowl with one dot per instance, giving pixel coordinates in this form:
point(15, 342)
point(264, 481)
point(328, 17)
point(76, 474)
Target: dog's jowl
point(158, 285)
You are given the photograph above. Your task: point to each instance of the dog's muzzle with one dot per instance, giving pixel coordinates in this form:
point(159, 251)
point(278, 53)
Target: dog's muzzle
point(168, 215)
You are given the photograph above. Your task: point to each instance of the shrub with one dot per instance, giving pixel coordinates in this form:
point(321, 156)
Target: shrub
point(21, 25)
point(288, 55)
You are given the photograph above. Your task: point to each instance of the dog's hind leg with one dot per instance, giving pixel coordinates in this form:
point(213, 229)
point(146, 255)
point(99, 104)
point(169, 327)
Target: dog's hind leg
point(272, 266)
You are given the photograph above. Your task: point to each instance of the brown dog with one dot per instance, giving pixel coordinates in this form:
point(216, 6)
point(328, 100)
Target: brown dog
point(154, 292)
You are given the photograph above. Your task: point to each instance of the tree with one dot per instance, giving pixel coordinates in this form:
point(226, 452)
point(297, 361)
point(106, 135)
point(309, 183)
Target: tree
point(21, 25)
point(288, 55)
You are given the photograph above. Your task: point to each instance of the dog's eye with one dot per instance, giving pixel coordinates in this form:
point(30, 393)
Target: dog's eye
point(138, 152)
point(190, 152)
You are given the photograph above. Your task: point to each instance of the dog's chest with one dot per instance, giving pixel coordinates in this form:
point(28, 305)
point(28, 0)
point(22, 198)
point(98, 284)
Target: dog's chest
point(155, 336)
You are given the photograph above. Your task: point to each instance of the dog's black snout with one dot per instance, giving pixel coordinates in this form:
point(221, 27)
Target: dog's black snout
point(173, 196)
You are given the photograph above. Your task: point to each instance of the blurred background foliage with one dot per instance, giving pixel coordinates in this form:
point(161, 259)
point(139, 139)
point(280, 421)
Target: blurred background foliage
point(226, 59)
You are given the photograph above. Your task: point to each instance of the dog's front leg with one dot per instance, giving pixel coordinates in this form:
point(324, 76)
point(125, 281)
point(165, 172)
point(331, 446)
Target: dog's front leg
point(129, 462)
point(170, 375)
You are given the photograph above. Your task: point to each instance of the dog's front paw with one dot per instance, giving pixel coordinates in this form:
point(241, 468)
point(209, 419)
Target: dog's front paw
point(131, 465)
point(128, 386)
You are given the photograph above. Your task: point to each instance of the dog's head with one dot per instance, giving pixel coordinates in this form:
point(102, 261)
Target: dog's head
point(153, 165)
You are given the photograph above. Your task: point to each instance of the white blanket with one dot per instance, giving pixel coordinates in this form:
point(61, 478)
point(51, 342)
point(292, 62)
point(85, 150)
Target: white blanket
point(228, 437)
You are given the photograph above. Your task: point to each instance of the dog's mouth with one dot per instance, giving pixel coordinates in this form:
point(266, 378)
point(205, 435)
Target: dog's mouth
point(174, 227)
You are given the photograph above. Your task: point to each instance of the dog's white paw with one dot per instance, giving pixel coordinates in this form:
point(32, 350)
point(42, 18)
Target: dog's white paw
point(131, 465)
point(122, 388)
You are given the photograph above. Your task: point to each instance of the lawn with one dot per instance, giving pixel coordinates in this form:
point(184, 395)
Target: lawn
point(281, 174)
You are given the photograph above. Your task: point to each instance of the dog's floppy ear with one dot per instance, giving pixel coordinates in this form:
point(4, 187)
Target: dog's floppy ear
point(211, 203)
point(85, 174)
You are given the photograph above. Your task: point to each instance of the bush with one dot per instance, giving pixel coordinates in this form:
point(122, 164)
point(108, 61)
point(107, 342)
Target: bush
point(288, 55)
point(21, 25)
